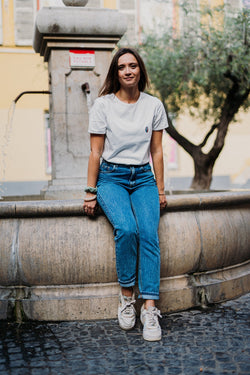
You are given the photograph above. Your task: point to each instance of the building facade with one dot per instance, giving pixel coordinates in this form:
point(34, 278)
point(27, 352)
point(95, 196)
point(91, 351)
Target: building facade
point(25, 161)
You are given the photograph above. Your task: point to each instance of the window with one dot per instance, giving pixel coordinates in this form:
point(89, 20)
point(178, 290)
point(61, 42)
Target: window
point(24, 12)
point(1, 24)
point(49, 3)
point(246, 4)
point(94, 4)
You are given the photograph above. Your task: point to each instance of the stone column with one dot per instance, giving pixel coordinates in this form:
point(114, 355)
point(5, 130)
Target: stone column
point(58, 32)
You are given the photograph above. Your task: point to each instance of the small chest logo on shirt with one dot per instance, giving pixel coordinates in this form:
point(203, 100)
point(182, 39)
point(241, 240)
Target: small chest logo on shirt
point(146, 129)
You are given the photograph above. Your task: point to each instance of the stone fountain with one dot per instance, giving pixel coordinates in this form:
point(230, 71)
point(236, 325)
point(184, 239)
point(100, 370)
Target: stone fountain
point(58, 264)
point(77, 43)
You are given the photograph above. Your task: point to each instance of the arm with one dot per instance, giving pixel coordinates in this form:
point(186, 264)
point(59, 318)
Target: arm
point(157, 158)
point(96, 147)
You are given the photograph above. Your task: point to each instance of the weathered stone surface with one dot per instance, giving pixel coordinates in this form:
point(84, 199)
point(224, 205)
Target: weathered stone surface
point(74, 21)
point(69, 122)
point(60, 263)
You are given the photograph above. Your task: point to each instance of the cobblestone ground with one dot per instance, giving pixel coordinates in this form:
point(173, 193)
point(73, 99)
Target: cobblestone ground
point(215, 341)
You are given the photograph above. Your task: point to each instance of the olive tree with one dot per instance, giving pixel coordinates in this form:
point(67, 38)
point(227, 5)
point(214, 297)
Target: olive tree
point(205, 69)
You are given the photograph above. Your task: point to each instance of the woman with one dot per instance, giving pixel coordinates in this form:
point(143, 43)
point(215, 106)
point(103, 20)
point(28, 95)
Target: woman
point(125, 128)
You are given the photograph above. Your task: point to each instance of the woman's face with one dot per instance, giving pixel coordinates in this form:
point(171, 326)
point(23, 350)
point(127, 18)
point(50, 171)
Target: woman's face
point(128, 71)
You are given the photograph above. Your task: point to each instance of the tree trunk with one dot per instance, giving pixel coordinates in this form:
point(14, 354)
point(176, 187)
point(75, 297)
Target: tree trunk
point(204, 163)
point(203, 173)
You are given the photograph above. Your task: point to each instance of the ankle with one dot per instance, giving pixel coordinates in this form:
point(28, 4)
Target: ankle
point(148, 303)
point(127, 292)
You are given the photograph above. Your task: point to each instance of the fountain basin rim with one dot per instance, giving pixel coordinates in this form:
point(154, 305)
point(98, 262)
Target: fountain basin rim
point(74, 207)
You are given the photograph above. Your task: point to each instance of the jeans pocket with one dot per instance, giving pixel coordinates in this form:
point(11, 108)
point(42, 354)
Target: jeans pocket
point(107, 167)
point(146, 168)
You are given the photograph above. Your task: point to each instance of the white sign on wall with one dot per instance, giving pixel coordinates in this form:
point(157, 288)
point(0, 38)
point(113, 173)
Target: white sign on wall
point(82, 58)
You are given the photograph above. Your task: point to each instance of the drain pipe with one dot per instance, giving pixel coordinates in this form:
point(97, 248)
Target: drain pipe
point(31, 92)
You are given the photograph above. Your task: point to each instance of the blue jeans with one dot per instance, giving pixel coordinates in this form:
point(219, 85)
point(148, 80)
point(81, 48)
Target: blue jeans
point(128, 195)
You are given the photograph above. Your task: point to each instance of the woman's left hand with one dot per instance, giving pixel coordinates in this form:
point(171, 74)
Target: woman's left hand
point(163, 201)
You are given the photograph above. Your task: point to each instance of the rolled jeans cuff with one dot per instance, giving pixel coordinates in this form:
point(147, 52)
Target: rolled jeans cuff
point(148, 296)
point(127, 284)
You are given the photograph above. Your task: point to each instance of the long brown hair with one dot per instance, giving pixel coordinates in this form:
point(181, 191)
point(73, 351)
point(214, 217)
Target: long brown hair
point(111, 84)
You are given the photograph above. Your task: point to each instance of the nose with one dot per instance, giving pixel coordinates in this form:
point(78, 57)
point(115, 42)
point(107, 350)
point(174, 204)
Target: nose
point(127, 70)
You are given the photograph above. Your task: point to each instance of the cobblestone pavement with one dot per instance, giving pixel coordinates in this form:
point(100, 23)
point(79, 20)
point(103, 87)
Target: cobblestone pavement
point(215, 341)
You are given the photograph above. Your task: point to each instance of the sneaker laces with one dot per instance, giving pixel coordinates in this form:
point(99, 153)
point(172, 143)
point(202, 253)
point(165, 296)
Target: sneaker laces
point(128, 307)
point(151, 316)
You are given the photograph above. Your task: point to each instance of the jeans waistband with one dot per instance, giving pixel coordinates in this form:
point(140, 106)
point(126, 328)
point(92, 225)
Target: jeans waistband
point(126, 165)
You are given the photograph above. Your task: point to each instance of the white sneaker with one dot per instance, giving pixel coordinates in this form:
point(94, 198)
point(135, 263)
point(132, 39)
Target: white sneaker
point(151, 326)
point(126, 311)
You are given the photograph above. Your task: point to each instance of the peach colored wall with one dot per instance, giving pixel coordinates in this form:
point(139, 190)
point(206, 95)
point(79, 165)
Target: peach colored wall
point(25, 154)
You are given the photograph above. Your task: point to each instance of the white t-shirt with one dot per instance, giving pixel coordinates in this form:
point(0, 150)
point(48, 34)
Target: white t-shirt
point(128, 127)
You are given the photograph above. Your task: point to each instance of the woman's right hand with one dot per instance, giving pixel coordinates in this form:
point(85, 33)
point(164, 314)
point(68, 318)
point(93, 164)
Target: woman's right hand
point(90, 206)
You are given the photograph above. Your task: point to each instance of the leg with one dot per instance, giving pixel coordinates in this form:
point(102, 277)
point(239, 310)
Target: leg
point(116, 204)
point(145, 203)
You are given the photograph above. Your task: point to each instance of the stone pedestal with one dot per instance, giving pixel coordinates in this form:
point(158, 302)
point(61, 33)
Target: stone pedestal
point(59, 31)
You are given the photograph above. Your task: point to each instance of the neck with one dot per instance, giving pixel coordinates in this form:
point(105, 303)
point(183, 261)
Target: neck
point(129, 96)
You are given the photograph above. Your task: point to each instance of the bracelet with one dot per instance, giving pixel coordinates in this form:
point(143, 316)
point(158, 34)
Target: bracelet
point(90, 189)
point(162, 194)
point(90, 199)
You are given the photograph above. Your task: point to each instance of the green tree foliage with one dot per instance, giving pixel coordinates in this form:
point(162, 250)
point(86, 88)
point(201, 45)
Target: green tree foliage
point(204, 68)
